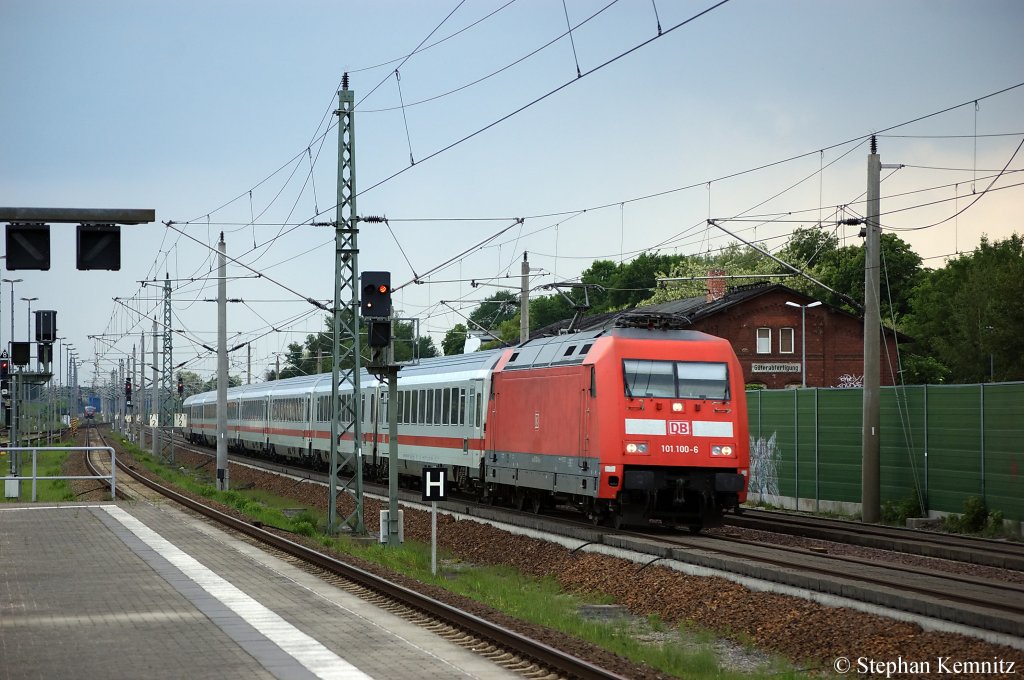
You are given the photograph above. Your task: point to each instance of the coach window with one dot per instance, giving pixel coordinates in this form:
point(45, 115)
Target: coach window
point(462, 406)
point(471, 406)
point(430, 408)
point(786, 341)
point(764, 340)
point(446, 405)
point(437, 406)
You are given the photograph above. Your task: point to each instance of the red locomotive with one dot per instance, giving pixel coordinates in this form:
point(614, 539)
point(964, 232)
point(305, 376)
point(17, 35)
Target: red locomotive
point(630, 424)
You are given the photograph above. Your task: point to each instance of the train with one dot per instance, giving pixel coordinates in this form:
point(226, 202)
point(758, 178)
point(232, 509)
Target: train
point(631, 425)
point(89, 412)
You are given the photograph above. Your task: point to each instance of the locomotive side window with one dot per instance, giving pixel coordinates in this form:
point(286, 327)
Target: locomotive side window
point(648, 378)
point(703, 380)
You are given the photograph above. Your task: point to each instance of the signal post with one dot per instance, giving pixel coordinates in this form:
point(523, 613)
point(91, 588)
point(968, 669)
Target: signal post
point(375, 305)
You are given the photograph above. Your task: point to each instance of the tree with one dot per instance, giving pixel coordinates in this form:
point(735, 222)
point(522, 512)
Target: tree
point(454, 340)
point(405, 348)
point(968, 315)
point(194, 384)
point(211, 384)
point(495, 310)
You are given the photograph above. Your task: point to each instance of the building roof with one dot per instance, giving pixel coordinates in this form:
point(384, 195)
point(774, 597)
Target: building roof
point(678, 313)
point(687, 311)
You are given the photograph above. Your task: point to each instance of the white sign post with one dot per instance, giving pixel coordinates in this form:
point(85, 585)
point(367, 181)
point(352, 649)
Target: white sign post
point(435, 488)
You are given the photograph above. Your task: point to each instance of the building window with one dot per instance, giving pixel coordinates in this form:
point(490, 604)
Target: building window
point(764, 340)
point(786, 336)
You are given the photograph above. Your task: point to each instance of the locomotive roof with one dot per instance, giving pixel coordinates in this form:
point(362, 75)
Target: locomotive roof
point(572, 348)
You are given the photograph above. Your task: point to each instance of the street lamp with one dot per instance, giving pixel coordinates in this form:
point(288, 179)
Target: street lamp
point(12, 282)
point(28, 329)
point(803, 337)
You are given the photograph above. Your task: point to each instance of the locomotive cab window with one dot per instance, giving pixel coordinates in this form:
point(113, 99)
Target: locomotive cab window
point(676, 379)
point(703, 380)
point(648, 378)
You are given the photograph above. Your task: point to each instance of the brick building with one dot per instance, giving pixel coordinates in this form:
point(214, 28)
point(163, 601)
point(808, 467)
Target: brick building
point(766, 334)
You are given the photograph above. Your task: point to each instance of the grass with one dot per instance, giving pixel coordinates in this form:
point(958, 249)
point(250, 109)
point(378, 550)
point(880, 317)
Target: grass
point(679, 652)
point(48, 464)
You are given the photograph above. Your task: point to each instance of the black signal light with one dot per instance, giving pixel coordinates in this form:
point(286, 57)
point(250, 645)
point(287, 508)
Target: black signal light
point(375, 300)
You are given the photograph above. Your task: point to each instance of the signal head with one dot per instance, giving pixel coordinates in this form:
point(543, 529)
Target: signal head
point(376, 294)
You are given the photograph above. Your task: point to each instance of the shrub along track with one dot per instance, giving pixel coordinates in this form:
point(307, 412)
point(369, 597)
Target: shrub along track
point(808, 633)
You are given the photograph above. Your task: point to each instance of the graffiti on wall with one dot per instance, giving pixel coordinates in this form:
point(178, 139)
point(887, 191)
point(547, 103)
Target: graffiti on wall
point(764, 466)
point(849, 381)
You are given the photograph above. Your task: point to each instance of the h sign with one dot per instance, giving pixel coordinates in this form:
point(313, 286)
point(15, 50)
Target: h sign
point(435, 484)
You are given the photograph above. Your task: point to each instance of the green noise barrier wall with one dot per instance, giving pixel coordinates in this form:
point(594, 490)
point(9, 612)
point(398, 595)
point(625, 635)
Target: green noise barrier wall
point(941, 443)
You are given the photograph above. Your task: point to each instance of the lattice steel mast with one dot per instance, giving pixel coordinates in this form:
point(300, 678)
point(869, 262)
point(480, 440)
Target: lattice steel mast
point(166, 387)
point(346, 417)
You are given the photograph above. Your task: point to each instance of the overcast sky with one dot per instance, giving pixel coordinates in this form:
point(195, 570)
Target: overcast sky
point(217, 114)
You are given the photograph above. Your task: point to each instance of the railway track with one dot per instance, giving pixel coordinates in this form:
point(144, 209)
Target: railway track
point(505, 647)
point(978, 602)
point(987, 552)
point(984, 603)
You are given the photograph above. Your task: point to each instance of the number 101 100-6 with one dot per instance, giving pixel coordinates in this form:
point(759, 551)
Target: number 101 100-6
point(679, 448)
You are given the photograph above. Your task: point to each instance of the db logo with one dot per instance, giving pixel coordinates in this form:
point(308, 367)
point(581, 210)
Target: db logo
point(679, 427)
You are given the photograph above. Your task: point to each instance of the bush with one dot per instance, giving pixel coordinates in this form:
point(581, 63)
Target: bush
point(897, 512)
point(975, 515)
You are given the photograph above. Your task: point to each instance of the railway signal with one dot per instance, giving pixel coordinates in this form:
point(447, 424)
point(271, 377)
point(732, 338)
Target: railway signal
point(376, 294)
point(181, 386)
point(5, 367)
point(128, 391)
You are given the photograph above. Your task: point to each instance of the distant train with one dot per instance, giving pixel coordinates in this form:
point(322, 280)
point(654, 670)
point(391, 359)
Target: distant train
point(89, 412)
point(628, 424)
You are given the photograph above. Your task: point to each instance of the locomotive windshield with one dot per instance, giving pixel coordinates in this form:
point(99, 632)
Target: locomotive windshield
point(676, 379)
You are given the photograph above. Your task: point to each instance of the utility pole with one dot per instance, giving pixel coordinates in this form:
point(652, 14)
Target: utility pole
point(347, 417)
point(222, 367)
point(524, 301)
point(248, 363)
point(167, 384)
point(119, 396)
point(871, 511)
point(135, 386)
point(141, 389)
point(154, 399)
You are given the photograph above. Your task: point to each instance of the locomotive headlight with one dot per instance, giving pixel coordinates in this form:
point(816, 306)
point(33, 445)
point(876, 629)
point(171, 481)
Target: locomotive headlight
point(635, 447)
point(721, 450)
point(677, 407)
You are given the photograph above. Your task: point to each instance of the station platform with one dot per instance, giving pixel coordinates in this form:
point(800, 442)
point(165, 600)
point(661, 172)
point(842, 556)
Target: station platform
point(137, 590)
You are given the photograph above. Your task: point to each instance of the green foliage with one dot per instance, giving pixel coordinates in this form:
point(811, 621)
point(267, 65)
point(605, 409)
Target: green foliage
point(316, 354)
point(968, 315)
point(976, 519)
point(454, 340)
point(495, 309)
point(897, 512)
